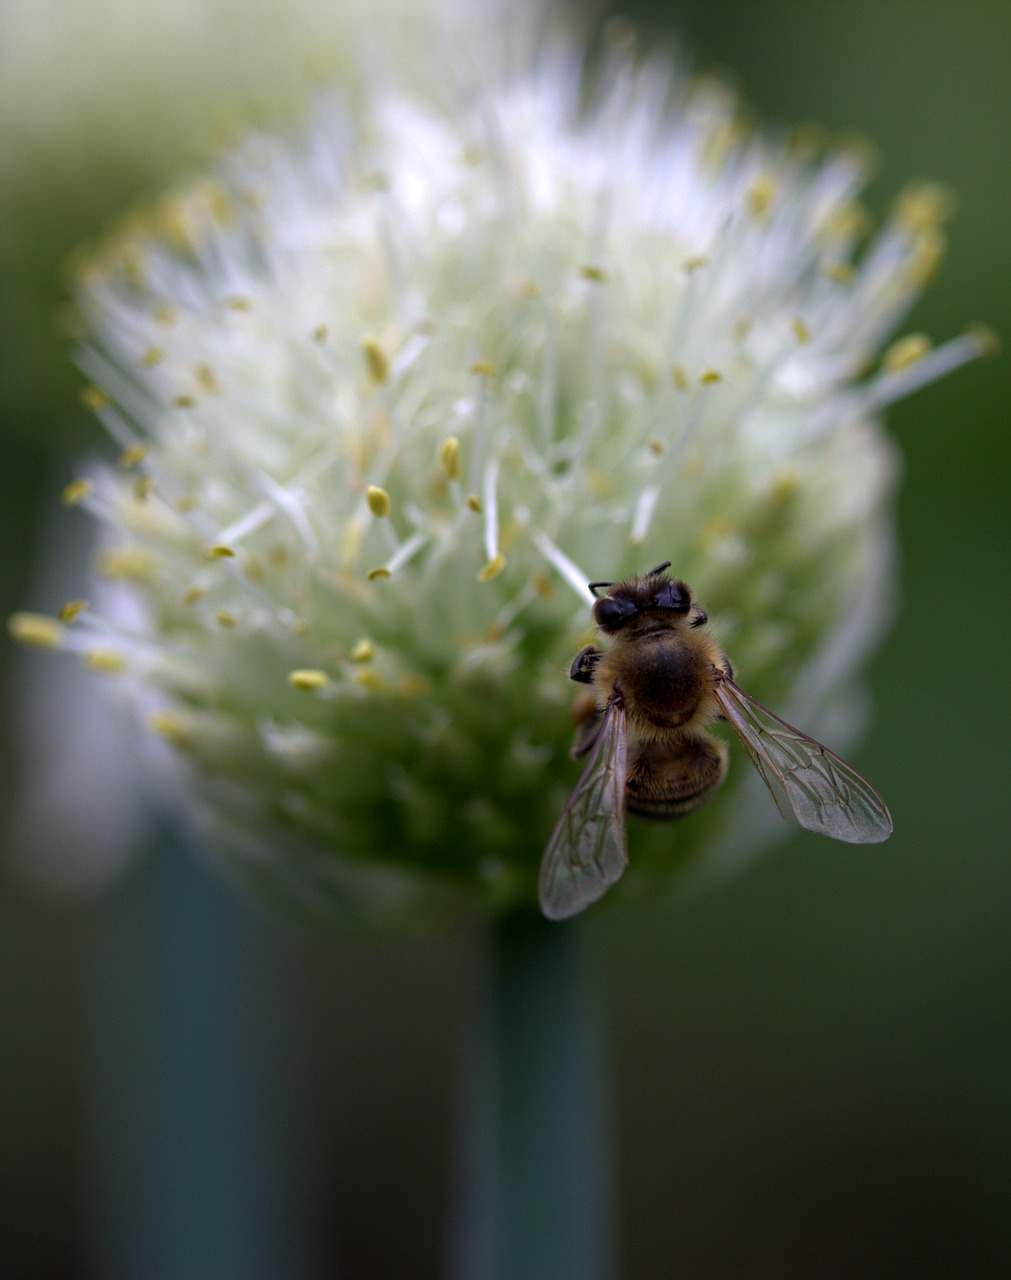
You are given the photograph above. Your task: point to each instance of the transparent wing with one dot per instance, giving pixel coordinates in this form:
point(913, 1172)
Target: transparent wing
point(586, 853)
point(810, 784)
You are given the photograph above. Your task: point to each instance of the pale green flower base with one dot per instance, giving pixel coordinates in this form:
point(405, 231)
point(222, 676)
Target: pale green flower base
point(533, 1198)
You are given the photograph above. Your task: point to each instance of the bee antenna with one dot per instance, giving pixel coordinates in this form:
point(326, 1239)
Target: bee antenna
point(659, 569)
point(594, 585)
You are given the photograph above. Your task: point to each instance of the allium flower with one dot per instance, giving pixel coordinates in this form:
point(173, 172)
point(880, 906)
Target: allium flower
point(386, 395)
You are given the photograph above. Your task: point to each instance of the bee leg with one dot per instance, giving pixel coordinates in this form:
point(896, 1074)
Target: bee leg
point(668, 779)
point(584, 663)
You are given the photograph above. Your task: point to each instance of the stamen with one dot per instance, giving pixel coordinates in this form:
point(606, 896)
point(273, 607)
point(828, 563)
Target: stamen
point(568, 569)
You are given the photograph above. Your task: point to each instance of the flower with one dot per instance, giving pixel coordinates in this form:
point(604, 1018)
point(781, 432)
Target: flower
point(158, 77)
point(386, 394)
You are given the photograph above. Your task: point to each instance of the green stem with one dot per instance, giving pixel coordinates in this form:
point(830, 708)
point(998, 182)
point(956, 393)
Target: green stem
point(533, 1200)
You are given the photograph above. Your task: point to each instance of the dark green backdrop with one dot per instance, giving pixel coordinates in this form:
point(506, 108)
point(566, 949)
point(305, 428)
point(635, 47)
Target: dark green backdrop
point(812, 1064)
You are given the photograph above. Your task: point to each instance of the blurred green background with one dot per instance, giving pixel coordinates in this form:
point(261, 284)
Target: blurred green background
point(812, 1064)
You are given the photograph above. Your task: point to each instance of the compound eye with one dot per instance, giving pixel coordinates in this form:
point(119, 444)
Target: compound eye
point(673, 595)
point(611, 613)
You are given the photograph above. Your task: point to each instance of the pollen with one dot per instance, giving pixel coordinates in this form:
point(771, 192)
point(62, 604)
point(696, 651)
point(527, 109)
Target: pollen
point(905, 351)
point(142, 487)
point(94, 398)
point(800, 330)
point(75, 492)
point(760, 194)
point(168, 726)
point(591, 271)
point(370, 679)
point(131, 455)
point(308, 679)
point(225, 618)
point(378, 500)
point(374, 575)
point(710, 376)
point(474, 503)
point(375, 360)
point(219, 551)
point(71, 608)
point(151, 356)
point(449, 458)
point(483, 368)
point(129, 563)
point(679, 377)
point(37, 630)
point(492, 569)
point(363, 651)
point(321, 332)
point(106, 661)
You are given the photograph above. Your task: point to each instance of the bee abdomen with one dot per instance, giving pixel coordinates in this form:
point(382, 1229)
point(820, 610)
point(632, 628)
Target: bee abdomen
point(667, 780)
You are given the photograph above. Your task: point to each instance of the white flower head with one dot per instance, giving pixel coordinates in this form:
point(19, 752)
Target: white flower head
point(387, 394)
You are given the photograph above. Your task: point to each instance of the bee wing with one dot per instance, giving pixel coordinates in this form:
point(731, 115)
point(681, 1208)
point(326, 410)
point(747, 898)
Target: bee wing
point(586, 853)
point(810, 784)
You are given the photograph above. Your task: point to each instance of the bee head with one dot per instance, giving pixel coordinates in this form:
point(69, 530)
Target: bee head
point(655, 594)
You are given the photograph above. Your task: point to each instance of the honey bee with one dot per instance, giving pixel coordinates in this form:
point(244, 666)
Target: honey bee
point(642, 724)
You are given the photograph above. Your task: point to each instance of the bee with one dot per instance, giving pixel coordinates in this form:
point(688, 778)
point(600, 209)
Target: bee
point(643, 726)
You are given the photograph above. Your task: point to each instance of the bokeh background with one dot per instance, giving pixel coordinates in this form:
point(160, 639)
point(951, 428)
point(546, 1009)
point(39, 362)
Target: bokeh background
point(811, 1064)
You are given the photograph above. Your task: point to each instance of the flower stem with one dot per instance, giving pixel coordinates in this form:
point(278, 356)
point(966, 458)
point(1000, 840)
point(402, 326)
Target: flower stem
point(533, 1194)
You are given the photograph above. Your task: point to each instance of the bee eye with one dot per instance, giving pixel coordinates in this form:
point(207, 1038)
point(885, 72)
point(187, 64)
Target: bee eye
point(612, 612)
point(673, 595)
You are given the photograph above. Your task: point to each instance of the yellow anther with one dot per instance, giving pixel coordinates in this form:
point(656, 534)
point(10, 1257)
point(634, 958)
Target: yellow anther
point(225, 618)
point(984, 339)
point(321, 332)
point(904, 352)
point(531, 289)
point(922, 205)
point(108, 661)
point(841, 272)
point(655, 445)
point(71, 608)
point(185, 502)
point(542, 584)
point(759, 195)
point(192, 594)
point(369, 678)
point(142, 486)
point(483, 368)
point(375, 360)
point(131, 455)
point(74, 492)
point(136, 564)
point(239, 302)
point(474, 503)
point(927, 255)
point(94, 398)
point(206, 380)
point(800, 330)
point(219, 551)
point(164, 314)
point(591, 271)
point(600, 483)
point(695, 263)
point(714, 530)
point(492, 569)
point(363, 651)
point(449, 457)
point(413, 685)
point(35, 629)
point(183, 400)
point(378, 500)
point(152, 356)
point(679, 377)
point(848, 221)
point(374, 575)
point(709, 376)
point(308, 679)
point(785, 483)
point(170, 726)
